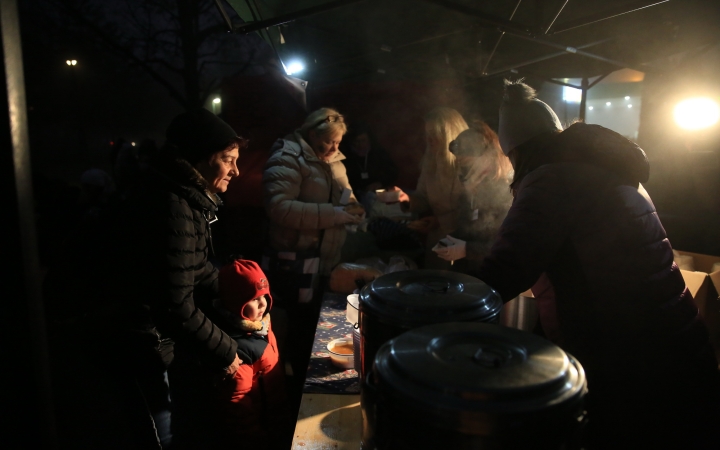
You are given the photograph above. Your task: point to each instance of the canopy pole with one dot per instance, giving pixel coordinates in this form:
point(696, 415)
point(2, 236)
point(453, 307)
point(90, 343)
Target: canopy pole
point(17, 109)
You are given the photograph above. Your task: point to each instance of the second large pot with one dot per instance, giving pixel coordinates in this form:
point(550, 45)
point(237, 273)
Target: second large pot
point(400, 301)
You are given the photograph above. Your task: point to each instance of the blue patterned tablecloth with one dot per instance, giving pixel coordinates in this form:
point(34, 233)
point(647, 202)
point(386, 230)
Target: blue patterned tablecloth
point(322, 376)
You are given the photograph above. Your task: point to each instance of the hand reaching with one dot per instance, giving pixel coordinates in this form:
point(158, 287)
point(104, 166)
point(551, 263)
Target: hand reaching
point(456, 249)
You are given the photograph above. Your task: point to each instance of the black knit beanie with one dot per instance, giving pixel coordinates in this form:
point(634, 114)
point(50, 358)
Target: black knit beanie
point(198, 134)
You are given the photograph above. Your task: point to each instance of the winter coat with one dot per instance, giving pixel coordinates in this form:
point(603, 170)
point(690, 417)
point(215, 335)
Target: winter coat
point(582, 218)
point(300, 193)
point(163, 274)
point(253, 401)
point(480, 214)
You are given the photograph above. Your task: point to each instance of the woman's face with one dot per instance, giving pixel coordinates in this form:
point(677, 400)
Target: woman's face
point(219, 169)
point(325, 146)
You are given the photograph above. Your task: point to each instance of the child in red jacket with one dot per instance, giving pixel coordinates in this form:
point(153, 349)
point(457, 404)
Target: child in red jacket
point(253, 400)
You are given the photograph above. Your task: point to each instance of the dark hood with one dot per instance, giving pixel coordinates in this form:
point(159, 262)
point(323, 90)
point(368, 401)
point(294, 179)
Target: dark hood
point(604, 148)
point(583, 143)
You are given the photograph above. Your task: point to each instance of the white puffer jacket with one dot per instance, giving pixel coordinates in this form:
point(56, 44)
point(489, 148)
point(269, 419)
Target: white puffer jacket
point(300, 193)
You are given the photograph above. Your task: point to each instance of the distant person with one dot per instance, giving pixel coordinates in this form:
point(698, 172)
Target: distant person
point(439, 188)
point(254, 410)
point(583, 233)
point(485, 198)
point(368, 165)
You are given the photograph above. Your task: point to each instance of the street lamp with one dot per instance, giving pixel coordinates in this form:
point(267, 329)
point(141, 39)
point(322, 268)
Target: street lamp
point(216, 105)
point(696, 113)
point(71, 62)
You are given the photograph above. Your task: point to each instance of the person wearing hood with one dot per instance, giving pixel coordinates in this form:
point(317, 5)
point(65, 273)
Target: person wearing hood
point(584, 234)
point(253, 404)
point(164, 279)
point(485, 198)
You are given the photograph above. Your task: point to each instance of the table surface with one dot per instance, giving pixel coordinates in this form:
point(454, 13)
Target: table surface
point(328, 421)
point(329, 416)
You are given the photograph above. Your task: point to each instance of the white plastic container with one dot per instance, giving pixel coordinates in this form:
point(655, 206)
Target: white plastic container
point(351, 313)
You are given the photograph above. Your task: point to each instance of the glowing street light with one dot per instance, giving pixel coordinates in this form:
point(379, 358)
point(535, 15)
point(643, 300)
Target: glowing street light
point(294, 67)
point(696, 113)
point(216, 100)
point(71, 62)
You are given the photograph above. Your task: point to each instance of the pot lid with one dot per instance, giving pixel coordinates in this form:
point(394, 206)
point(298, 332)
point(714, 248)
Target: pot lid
point(478, 367)
point(421, 297)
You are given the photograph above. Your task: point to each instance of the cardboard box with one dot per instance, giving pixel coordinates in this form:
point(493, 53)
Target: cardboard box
point(704, 286)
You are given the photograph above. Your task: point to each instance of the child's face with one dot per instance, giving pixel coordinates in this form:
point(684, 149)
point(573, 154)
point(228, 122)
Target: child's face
point(255, 308)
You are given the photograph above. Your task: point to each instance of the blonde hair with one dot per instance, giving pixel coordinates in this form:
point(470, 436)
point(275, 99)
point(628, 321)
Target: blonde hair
point(442, 126)
point(317, 120)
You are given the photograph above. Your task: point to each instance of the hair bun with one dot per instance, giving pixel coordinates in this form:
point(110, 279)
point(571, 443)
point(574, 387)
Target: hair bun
point(518, 92)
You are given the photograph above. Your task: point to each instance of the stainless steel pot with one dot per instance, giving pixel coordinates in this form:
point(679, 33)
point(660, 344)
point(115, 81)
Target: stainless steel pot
point(474, 386)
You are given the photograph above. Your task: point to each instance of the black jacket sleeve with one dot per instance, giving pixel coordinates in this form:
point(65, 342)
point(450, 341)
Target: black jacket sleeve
point(535, 228)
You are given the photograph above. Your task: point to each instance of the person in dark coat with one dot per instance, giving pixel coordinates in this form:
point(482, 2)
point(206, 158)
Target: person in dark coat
point(584, 234)
point(165, 280)
point(253, 402)
point(368, 165)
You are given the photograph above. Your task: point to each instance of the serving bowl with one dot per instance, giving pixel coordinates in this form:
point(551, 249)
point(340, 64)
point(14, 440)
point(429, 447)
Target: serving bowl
point(341, 353)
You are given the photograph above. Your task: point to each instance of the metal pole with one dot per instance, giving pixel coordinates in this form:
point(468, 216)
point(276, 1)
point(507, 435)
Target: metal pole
point(523, 32)
point(500, 23)
point(583, 99)
point(604, 15)
point(541, 58)
point(224, 15)
point(577, 51)
point(254, 26)
point(502, 33)
point(556, 16)
point(12, 53)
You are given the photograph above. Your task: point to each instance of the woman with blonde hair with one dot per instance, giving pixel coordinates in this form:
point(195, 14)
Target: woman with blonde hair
point(308, 200)
point(485, 198)
point(438, 189)
point(306, 197)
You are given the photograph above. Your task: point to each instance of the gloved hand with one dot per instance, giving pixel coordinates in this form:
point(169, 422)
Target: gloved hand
point(342, 217)
point(452, 252)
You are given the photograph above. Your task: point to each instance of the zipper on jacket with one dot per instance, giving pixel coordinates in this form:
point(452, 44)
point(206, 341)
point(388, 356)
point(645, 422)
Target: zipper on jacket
point(210, 218)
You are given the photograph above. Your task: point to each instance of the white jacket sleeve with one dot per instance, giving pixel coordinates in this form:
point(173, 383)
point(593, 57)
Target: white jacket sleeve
point(281, 186)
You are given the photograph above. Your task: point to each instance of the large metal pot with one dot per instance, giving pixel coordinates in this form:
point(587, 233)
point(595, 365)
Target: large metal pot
point(401, 301)
point(397, 302)
point(474, 386)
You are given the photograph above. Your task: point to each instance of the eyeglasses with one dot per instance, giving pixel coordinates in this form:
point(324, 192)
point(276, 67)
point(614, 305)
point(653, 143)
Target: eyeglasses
point(330, 119)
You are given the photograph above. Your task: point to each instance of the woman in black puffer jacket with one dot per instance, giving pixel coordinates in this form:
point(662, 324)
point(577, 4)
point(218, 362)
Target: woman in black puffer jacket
point(584, 234)
point(164, 278)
